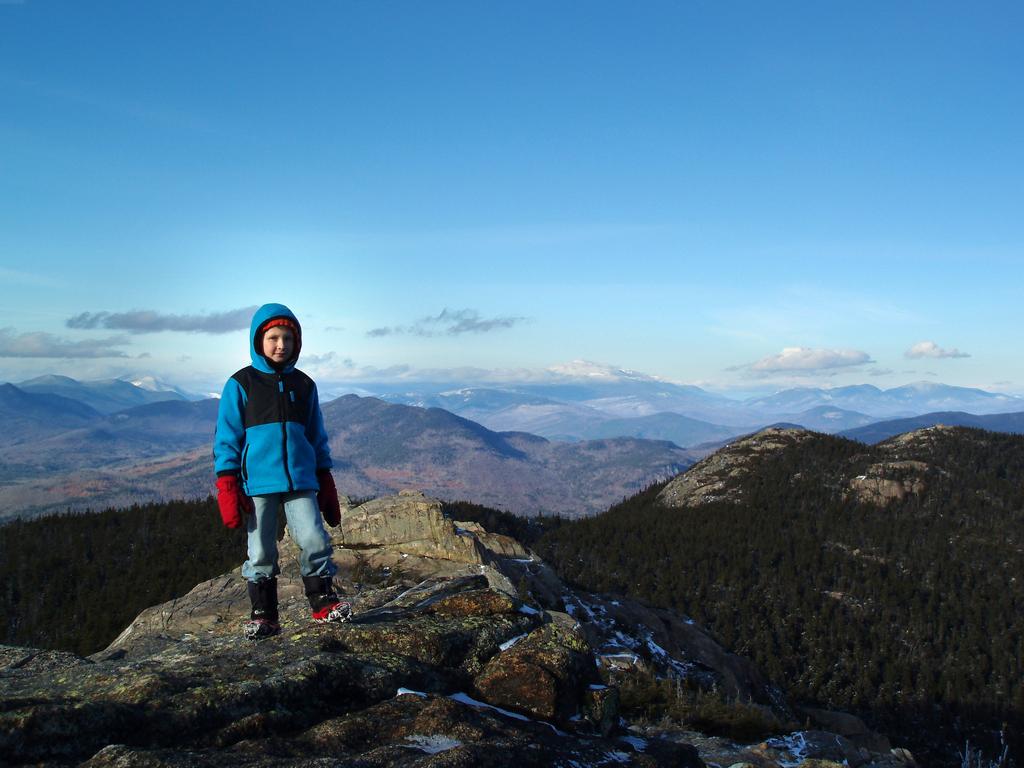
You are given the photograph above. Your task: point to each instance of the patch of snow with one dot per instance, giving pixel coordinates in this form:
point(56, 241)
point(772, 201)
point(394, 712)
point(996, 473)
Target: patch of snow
point(432, 744)
point(402, 691)
point(598, 687)
point(509, 643)
point(463, 698)
point(626, 640)
point(591, 613)
point(795, 744)
point(528, 610)
point(410, 589)
point(631, 656)
point(522, 560)
point(618, 757)
point(656, 649)
point(635, 742)
point(680, 668)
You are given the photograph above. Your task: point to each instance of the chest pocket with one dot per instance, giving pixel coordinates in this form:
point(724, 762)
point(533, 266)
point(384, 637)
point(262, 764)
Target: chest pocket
point(296, 405)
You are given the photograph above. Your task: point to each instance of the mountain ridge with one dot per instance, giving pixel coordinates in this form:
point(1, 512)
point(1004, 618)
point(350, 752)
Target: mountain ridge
point(879, 579)
point(1012, 423)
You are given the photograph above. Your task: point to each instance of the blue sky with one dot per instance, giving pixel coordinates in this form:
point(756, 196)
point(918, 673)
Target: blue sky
point(745, 196)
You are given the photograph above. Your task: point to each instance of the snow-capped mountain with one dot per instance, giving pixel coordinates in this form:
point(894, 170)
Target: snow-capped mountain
point(105, 395)
point(153, 384)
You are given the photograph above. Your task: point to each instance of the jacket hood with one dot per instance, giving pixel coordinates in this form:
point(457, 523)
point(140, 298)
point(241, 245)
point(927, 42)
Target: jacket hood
point(263, 314)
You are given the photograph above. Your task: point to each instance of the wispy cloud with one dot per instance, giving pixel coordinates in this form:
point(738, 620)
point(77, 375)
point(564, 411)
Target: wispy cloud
point(450, 322)
point(40, 344)
point(334, 369)
point(790, 311)
point(18, 277)
point(932, 350)
point(150, 321)
point(146, 112)
point(805, 360)
point(328, 361)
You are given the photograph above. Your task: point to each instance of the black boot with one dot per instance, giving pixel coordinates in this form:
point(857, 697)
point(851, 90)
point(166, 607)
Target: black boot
point(263, 621)
point(324, 601)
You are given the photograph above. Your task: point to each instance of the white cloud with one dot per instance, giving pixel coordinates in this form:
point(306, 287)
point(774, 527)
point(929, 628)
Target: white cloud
point(805, 359)
point(40, 344)
point(932, 350)
point(150, 321)
point(335, 370)
point(451, 322)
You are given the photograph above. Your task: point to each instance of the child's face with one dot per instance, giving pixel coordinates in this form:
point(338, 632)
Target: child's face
point(278, 343)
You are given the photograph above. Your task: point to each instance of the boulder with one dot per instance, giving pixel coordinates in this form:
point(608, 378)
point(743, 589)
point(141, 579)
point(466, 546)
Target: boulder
point(411, 523)
point(544, 675)
point(848, 726)
point(498, 544)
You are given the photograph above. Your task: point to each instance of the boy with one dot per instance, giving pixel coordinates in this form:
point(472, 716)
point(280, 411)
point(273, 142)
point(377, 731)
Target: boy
point(270, 445)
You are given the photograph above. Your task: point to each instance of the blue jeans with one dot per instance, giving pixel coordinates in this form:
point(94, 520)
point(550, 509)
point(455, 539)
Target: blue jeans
point(307, 530)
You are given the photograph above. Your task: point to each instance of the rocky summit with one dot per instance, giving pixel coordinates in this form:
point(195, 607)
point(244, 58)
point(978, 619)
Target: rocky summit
point(465, 650)
point(718, 477)
point(875, 476)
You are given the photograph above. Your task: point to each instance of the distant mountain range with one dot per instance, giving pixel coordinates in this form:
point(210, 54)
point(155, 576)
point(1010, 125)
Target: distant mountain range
point(898, 402)
point(1012, 423)
point(569, 447)
point(630, 405)
point(163, 450)
point(583, 401)
point(105, 396)
point(28, 416)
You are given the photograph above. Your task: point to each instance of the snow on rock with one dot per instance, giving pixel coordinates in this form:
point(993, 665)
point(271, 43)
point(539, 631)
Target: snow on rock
point(432, 745)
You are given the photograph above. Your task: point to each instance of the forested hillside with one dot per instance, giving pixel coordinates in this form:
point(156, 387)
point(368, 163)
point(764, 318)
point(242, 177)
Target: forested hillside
point(908, 612)
point(74, 581)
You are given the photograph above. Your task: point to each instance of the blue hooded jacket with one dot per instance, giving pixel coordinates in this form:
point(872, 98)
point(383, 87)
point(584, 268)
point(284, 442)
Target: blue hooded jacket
point(270, 430)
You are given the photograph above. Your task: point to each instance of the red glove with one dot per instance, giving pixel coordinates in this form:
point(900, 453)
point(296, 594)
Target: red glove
point(327, 498)
point(233, 502)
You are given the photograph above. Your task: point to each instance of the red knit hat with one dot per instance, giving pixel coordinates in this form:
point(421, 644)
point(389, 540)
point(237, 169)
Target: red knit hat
point(279, 321)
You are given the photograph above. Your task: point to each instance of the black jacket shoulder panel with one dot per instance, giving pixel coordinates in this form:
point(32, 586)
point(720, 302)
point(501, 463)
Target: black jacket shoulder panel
point(268, 402)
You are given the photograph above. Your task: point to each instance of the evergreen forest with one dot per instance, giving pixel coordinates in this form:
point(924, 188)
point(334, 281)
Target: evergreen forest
point(74, 581)
point(908, 614)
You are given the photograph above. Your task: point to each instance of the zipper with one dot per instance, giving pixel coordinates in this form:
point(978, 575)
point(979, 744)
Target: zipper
point(283, 408)
point(245, 456)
